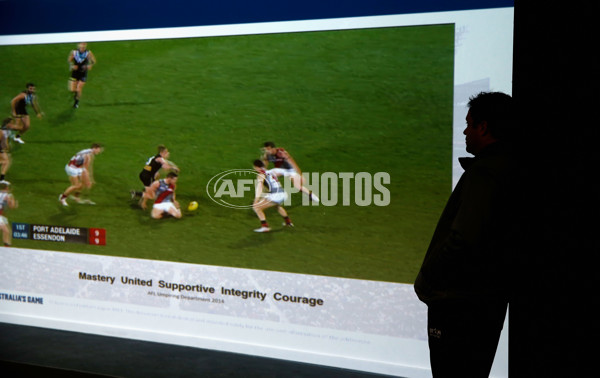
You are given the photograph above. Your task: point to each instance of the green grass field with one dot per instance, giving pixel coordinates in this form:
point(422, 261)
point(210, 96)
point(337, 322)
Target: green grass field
point(376, 100)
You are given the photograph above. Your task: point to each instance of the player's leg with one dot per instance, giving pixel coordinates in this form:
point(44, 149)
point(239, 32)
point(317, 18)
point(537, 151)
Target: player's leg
point(259, 208)
point(5, 235)
point(146, 182)
point(86, 182)
point(86, 185)
point(284, 215)
point(156, 213)
point(73, 87)
point(23, 123)
point(5, 162)
point(298, 182)
point(148, 194)
point(78, 91)
point(75, 186)
point(174, 211)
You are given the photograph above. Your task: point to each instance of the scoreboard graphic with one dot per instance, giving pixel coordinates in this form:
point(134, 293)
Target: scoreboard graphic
point(59, 234)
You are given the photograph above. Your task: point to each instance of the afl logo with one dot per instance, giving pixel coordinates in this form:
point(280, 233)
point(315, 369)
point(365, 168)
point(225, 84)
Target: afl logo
point(234, 188)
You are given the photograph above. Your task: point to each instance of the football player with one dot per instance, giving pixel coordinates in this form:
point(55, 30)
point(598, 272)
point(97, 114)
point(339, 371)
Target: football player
point(272, 195)
point(81, 60)
point(80, 172)
point(282, 159)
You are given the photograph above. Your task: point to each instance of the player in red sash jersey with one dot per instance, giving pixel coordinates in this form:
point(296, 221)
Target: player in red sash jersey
point(282, 159)
point(80, 172)
point(164, 200)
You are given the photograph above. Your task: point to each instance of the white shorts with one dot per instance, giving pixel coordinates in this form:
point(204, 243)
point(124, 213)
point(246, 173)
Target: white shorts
point(277, 198)
point(284, 172)
point(3, 220)
point(164, 206)
point(74, 171)
point(290, 172)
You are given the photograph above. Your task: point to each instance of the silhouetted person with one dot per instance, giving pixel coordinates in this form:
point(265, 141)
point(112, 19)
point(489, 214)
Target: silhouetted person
point(463, 277)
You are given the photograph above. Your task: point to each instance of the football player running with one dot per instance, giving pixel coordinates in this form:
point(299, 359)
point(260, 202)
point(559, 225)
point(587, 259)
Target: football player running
point(282, 159)
point(18, 106)
point(81, 60)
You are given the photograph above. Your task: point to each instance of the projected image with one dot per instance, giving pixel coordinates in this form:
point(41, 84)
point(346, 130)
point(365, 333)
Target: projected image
point(326, 153)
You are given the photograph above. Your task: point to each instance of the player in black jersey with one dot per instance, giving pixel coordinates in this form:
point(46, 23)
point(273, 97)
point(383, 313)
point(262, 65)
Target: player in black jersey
point(81, 60)
point(18, 107)
point(150, 173)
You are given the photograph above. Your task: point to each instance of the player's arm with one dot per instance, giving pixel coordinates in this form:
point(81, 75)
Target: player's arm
point(149, 194)
point(88, 165)
point(71, 60)
point(12, 125)
point(167, 165)
point(92, 61)
point(291, 160)
point(265, 158)
point(258, 190)
point(175, 202)
point(36, 107)
point(286, 155)
point(14, 101)
point(4, 146)
point(12, 202)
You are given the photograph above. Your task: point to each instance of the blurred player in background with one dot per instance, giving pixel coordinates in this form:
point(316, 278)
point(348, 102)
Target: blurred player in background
point(18, 107)
point(6, 201)
point(164, 201)
point(8, 127)
point(80, 172)
point(282, 159)
point(274, 196)
point(81, 60)
point(151, 171)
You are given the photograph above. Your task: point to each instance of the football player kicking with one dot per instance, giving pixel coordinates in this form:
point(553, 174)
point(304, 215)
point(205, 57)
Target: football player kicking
point(164, 202)
point(282, 159)
point(274, 197)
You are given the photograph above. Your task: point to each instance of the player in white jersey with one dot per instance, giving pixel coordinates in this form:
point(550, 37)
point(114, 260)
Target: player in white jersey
point(80, 172)
point(274, 197)
point(6, 201)
point(8, 125)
